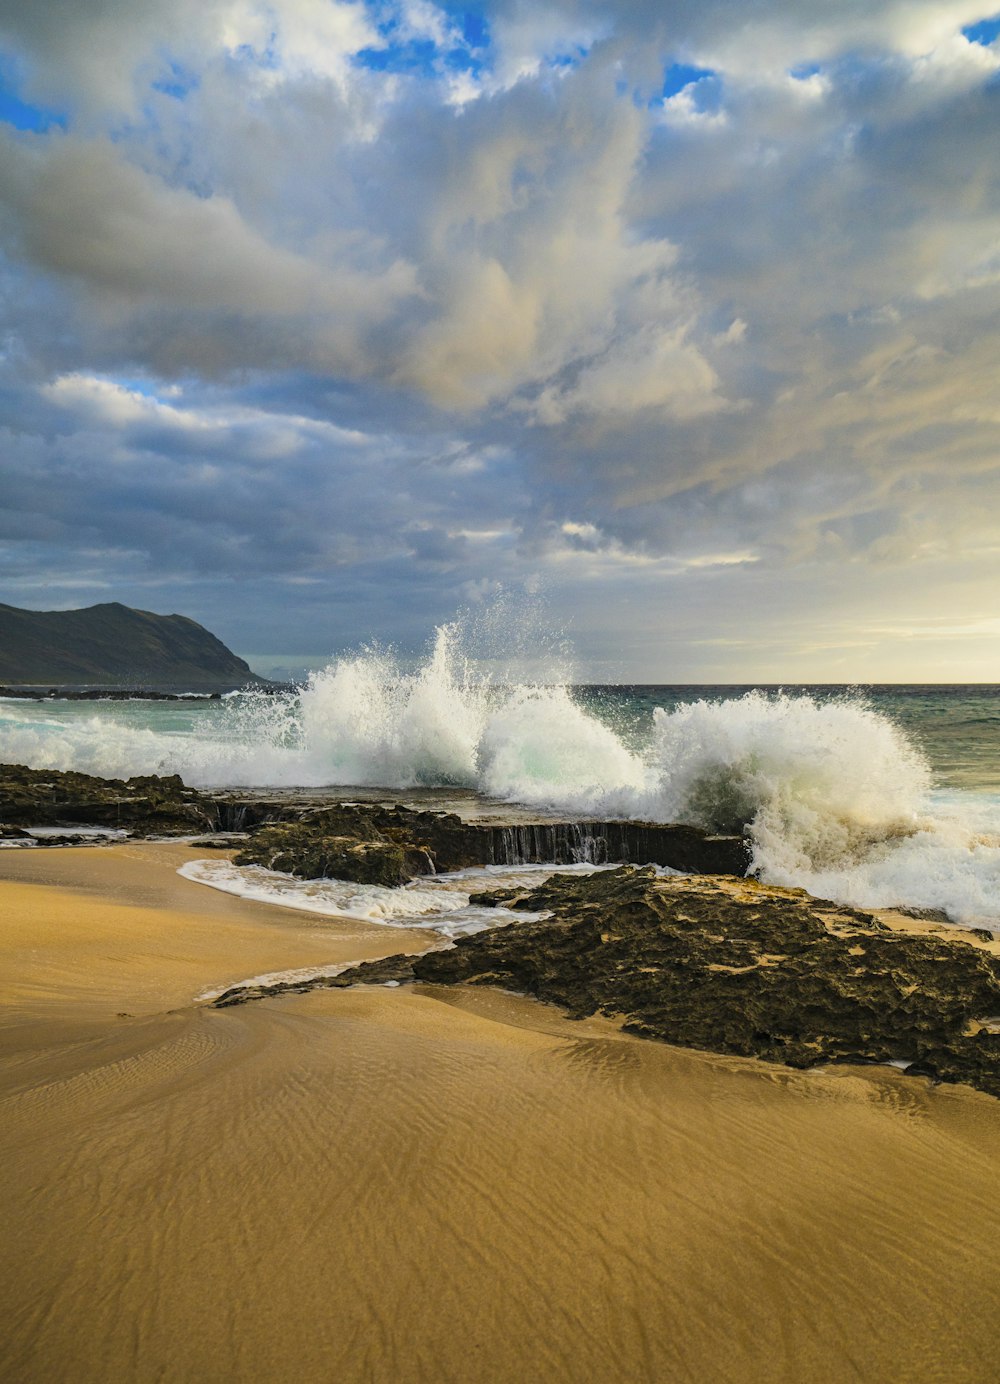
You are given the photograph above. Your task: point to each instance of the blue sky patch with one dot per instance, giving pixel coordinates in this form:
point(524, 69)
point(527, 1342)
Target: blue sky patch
point(418, 57)
point(422, 57)
point(22, 114)
point(475, 29)
point(984, 32)
point(135, 385)
point(679, 75)
point(180, 83)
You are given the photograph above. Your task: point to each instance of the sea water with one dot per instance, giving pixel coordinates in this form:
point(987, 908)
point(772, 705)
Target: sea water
point(872, 796)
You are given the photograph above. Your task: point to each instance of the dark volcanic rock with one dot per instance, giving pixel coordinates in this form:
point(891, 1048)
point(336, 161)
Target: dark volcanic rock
point(310, 851)
point(145, 804)
point(324, 842)
point(389, 970)
point(440, 841)
point(107, 694)
point(735, 966)
point(740, 967)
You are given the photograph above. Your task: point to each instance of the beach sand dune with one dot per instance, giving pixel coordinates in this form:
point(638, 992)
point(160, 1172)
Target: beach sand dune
point(442, 1185)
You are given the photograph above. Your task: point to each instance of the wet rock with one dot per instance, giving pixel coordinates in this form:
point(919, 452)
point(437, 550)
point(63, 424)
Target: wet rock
point(220, 840)
point(146, 804)
point(389, 970)
point(442, 841)
point(312, 842)
point(71, 838)
point(106, 694)
point(735, 966)
point(309, 851)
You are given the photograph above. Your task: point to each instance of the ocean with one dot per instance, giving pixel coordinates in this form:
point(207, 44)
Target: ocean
point(882, 796)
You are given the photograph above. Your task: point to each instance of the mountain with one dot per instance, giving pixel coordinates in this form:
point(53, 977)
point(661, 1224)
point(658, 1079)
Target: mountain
point(113, 645)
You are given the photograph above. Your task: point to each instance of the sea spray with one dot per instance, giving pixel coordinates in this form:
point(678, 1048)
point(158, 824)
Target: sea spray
point(540, 747)
point(367, 721)
point(819, 783)
point(836, 798)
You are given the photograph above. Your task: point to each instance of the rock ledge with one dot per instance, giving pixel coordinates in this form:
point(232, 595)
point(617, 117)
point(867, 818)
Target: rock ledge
point(731, 966)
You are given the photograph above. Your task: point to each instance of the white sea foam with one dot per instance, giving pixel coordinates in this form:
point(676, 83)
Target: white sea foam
point(290, 977)
point(87, 833)
point(838, 800)
point(438, 902)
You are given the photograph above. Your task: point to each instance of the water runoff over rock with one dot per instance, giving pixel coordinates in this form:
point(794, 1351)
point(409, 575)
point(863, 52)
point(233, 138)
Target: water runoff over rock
point(838, 796)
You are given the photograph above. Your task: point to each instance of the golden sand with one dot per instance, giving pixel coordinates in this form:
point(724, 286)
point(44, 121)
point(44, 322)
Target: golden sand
point(88, 932)
point(438, 1185)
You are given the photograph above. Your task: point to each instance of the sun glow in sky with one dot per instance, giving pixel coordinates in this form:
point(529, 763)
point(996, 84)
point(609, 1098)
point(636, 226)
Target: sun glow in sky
point(322, 319)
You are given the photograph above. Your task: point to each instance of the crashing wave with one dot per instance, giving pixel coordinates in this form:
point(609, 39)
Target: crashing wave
point(836, 798)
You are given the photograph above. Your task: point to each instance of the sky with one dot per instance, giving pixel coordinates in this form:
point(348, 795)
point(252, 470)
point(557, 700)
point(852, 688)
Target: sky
point(325, 320)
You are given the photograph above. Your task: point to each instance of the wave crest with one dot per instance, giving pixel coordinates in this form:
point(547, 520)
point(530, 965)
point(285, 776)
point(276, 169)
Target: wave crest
point(817, 782)
point(836, 797)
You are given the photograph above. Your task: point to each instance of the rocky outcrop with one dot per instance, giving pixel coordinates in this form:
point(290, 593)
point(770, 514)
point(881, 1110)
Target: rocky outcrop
point(109, 694)
point(313, 846)
point(366, 842)
point(311, 852)
point(145, 805)
point(732, 966)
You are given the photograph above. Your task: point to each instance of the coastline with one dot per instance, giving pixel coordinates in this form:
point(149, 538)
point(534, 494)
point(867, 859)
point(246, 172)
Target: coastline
point(92, 932)
point(430, 1184)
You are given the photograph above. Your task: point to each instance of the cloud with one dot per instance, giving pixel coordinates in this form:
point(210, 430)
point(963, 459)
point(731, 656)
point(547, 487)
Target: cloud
point(276, 300)
point(77, 209)
point(101, 54)
point(651, 369)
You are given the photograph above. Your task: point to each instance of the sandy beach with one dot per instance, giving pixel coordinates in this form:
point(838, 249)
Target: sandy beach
point(435, 1185)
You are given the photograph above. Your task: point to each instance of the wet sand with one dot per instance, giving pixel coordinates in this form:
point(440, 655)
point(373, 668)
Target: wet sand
point(89, 932)
point(432, 1185)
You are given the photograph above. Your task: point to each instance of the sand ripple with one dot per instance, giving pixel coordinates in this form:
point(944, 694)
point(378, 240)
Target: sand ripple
point(387, 1185)
point(438, 1186)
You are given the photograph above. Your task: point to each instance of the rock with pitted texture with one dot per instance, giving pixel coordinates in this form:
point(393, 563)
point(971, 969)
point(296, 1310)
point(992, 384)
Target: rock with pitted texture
point(309, 851)
point(741, 967)
point(733, 966)
point(146, 804)
point(438, 841)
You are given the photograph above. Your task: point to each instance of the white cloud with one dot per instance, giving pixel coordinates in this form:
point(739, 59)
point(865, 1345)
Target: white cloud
point(79, 209)
point(744, 333)
point(106, 403)
point(785, 34)
point(100, 53)
point(298, 38)
point(105, 400)
point(529, 37)
point(682, 109)
point(652, 369)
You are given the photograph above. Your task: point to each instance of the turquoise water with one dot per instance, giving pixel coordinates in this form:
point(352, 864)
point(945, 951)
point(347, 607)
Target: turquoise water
point(875, 796)
point(957, 727)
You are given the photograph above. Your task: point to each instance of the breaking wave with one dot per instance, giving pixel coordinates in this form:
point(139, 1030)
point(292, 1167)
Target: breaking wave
point(837, 799)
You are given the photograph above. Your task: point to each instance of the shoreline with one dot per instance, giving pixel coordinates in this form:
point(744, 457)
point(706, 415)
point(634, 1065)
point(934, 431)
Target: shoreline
point(426, 1184)
point(116, 929)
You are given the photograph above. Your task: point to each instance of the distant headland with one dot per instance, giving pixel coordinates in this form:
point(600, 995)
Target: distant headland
point(114, 646)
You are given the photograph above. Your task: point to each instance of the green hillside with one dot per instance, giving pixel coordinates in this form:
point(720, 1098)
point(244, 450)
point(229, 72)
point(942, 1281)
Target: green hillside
point(113, 645)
